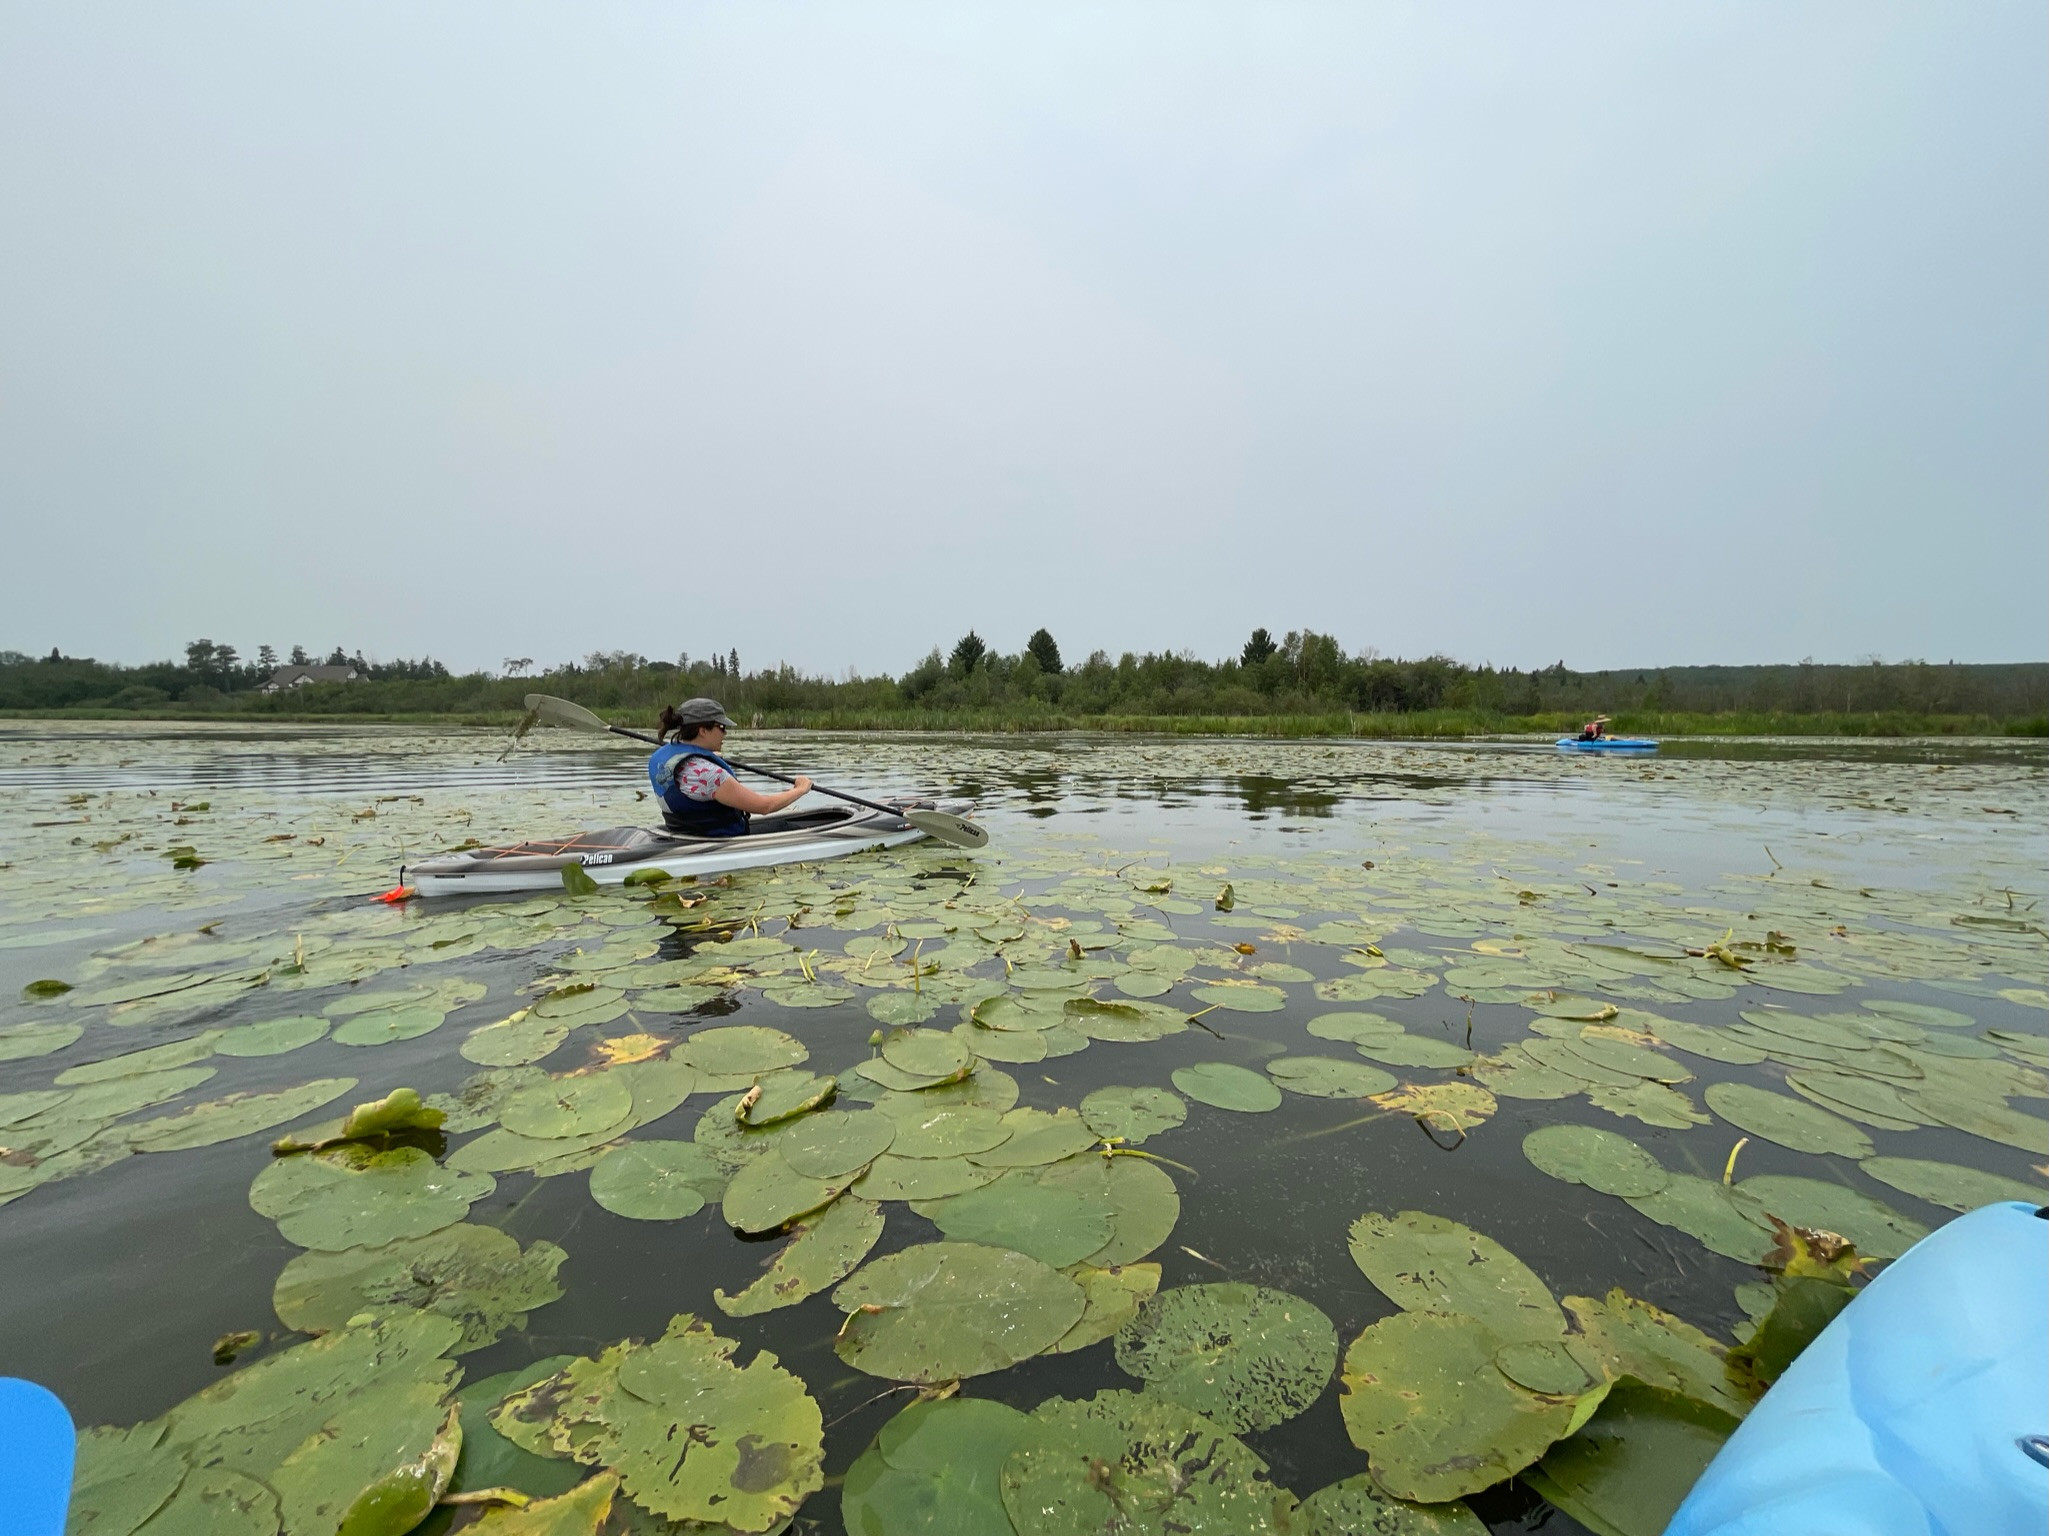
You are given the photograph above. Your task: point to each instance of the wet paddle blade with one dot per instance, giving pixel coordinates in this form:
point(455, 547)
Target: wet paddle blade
point(956, 830)
point(561, 712)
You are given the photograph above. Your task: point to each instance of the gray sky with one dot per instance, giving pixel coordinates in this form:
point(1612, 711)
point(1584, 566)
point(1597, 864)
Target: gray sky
point(503, 329)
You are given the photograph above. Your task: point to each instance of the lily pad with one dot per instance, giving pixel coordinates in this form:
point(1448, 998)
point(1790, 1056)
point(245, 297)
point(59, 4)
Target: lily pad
point(1131, 1115)
point(122, 1477)
point(1114, 1296)
point(892, 1177)
point(1058, 1225)
point(1354, 1027)
point(1705, 1042)
point(784, 1095)
point(158, 1058)
point(1790, 1122)
point(928, 1129)
point(1437, 1420)
point(768, 1194)
point(656, 1180)
point(1879, 1231)
point(23, 1042)
point(932, 1054)
point(1601, 1160)
point(755, 1435)
point(823, 1250)
point(273, 1037)
point(1925, 1014)
point(1652, 1103)
point(1144, 1203)
point(382, 1026)
point(1406, 1050)
point(1243, 999)
point(1986, 1118)
point(1327, 1077)
point(476, 1276)
point(935, 1469)
point(1721, 1219)
point(519, 1041)
point(945, 1311)
point(837, 1144)
point(1621, 1335)
point(1630, 1466)
point(1948, 1185)
point(1422, 1262)
point(742, 1050)
point(1036, 1139)
point(1226, 1086)
point(1241, 1355)
point(354, 1199)
point(237, 1115)
point(1357, 1506)
point(1140, 1465)
point(582, 1105)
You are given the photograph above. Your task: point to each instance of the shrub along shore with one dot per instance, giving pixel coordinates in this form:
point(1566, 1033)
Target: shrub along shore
point(1303, 685)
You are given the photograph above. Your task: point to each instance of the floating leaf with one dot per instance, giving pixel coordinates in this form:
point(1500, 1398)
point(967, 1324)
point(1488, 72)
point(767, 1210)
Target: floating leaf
point(1225, 1086)
point(741, 1050)
point(1058, 1225)
point(925, 1128)
point(1620, 1335)
point(1114, 1295)
point(822, 1251)
point(21, 1042)
point(768, 1194)
point(893, 1177)
point(933, 1054)
point(943, 1311)
point(1131, 1115)
point(584, 1105)
point(784, 1095)
point(351, 1199)
point(1422, 1262)
point(935, 1468)
point(1249, 998)
point(1789, 1122)
point(273, 1037)
point(1629, 1467)
point(579, 1512)
point(1139, 1465)
point(1327, 1077)
point(754, 1436)
point(1241, 1355)
point(122, 1477)
point(158, 1058)
point(1036, 1139)
point(1948, 1185)
point(1542, 1365)
point(1877, 1229)
point(656, 1180)
point(476, 1276)
point(837, 1144)
point(1143, 1202)
point(1652, 1103)
point(576, 882)
point(518, 1041)
point(1357, 1506)
point(384, 1025)
point(237, 1115)
point(1601, 1160)
point(1423, 1399)
point(1454, 1106)
point(1722, 1219)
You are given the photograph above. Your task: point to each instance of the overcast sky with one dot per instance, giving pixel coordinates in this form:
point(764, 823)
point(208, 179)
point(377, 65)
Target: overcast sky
point(1623, 334)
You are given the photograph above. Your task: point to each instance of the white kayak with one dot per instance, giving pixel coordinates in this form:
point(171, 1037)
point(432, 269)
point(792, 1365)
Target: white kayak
point(609, 856)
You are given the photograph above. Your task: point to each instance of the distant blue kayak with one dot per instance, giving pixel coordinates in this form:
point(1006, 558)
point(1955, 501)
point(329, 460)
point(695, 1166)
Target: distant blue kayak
point(1623, 744)
point(1922, 1410)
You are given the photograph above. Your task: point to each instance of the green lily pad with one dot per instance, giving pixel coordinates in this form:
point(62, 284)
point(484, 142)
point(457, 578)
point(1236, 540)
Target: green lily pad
point(928, 1129)
point(1620, 1335)
point(1422, 1262)
point(1244, 999)
point(901, 1008)
point(932, 1054)
point(837, 1144)
point(237, 1115)
point(23, 1042)
point(823, 1250)
point(742, 1050)
point(1601, 1160)
point(123, 1476)
point(273, 1037)
point(1542, 1365)
point(1652, 1103)
point(1139, 1465)
point(1144, 1203)
point(1354, 1027)
point(1633, 1462)
point(1705, 1042)
point(476, 1276)
point(1948, 1185)
point(656, 1180)
point(944, 1311)
point(934, 1468)
point(786, 1094)
point(1925, 1014)
point(351, 1198)
point(755, 1435)
point(1131, 1115)
point(1406, 1050)
point(1986, 1118)
point(768, 1194)
point(1879, 1231)
point(1222, 1085)
point(1437, 1420)
point(518, 1041)
point(1874, 1103)
point(1721, 1219)
point(1241, 1355)
point(1114, 1295)
point(584, 1105)
point(1058, 1225)
point(1326, 1077)
point(1036, 1139)
point(1789, 1122)
point(1623, 1056)
point(1357, 1505)
point(384, 1025)
point(158, 1058)
point(894, 1177)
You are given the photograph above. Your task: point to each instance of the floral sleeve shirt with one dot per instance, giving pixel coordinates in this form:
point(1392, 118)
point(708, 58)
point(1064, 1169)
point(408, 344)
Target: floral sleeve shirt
point(699, 778)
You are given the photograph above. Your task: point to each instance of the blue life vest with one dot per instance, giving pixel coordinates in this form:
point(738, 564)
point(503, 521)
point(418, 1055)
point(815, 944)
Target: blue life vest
point(680, 813)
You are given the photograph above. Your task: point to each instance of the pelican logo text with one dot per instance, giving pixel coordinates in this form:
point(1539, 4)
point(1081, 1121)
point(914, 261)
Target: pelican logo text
point(596, 858)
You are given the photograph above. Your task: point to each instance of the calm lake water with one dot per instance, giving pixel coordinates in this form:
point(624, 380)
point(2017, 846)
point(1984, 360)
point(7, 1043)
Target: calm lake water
point(1489, 881)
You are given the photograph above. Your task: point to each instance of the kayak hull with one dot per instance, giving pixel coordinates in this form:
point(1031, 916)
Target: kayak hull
point(612, 854)
point(1613, 746)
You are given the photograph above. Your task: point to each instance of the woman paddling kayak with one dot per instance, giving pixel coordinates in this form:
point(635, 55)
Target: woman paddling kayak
point(699, 795)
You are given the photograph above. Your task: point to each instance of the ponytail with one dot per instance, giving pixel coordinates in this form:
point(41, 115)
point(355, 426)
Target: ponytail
point(671, 727)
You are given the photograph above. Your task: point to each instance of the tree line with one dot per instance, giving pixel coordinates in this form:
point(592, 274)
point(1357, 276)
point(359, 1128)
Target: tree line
point(1302, 674)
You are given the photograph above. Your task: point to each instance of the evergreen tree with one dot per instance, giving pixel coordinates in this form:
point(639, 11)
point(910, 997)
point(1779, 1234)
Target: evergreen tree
point(266, 659)
point(300, 658)
point(968, 652)
point(1044, 650)
point(1260, 647)
point(733, 661)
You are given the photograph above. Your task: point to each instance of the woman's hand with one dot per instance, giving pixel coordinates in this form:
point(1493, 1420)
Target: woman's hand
point(799, 787)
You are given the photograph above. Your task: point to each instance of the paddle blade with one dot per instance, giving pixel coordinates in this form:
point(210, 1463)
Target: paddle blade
point(956, 830)
point(561, 712)
point(37, 1446)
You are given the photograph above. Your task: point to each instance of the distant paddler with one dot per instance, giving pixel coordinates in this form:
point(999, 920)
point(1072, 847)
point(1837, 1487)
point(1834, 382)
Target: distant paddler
point(699, 794)
point(1595, 729)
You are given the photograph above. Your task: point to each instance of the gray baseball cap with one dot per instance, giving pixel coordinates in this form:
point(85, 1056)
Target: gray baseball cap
point(702, 712)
